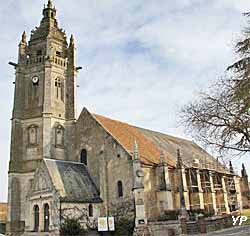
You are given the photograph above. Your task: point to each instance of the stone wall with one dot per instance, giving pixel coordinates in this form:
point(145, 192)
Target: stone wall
point(80, 211)
point(19, 187)
point(107, 162)
point(218, 223)
point(150, 190)
point(166, 228)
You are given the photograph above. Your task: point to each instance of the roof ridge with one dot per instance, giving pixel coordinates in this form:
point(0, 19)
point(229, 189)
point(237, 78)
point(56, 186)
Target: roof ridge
point(159, 132)
point(55, 160)
point(123, 122)
point(137, 127)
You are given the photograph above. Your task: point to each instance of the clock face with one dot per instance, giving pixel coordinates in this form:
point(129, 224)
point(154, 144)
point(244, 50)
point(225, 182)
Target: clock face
point(35, 79)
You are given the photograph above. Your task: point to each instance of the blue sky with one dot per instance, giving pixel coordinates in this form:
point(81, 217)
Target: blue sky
point(143, 60)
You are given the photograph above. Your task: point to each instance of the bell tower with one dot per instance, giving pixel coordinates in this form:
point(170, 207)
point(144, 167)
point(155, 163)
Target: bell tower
point(44, 110)
point(45, 91)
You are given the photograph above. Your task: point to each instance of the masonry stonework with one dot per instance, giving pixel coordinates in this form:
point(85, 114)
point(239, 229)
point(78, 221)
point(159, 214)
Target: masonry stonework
point(63, 166)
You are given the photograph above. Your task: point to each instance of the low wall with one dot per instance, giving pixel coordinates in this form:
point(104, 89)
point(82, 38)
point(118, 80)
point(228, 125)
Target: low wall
point(217, 223)
point(165, 228)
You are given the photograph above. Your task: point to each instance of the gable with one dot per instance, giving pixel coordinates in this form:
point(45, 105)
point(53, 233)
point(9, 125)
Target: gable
point(42, 181)
point(86, 120)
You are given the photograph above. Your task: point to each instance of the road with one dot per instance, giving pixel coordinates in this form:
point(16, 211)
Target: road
point(235, 231)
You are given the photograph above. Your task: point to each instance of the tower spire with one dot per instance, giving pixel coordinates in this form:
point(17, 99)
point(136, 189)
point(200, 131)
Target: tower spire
point(24, 37)
point(49, 5)
point(72, 40)
point(49, 12)
point(22, 49)
point(243, 171)
point(231, 167)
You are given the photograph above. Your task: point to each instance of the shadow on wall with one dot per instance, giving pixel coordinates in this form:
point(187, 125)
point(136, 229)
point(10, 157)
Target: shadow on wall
point(2, 228)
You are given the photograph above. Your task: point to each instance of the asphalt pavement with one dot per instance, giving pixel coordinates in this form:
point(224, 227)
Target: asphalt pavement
point(234, 231)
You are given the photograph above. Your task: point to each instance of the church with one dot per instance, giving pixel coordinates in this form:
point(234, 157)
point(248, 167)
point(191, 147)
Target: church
point(93, 166)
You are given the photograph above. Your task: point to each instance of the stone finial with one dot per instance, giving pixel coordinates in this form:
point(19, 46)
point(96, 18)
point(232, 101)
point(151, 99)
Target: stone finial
point(49, 5)
point(179, 159)
point(135, 151)
point(183, 210)
point(243, 171)
point(24, 37)
point(72, 40)
point(231, 167)
point(162, 157)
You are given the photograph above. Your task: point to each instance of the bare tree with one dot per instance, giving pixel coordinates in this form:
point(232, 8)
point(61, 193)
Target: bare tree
point(220, 117)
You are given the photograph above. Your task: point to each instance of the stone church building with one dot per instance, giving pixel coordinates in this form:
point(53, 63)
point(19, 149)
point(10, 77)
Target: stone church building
point(93, 165)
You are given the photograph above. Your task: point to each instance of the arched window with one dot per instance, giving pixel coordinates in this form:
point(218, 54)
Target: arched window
point(46, 217)
point(59, 88)
point(59, 135)
point(90, 210)
point(33, 135)
point(84, 157)
point(36, 218)
point(119, 189)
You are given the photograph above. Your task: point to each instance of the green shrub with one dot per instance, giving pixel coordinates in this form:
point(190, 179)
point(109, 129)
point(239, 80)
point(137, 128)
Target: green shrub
point(72, 227)
point(124, 227)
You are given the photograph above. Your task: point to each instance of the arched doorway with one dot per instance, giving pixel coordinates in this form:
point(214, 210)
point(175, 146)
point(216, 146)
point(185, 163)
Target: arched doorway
point(46, 217)
point(90, 210)
point(36, 218)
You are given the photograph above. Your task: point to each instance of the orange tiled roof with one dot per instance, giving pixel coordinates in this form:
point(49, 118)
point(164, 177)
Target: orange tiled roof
point(125, 134)
point(151, 142)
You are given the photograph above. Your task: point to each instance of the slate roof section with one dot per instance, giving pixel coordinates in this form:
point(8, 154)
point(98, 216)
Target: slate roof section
point(73, 181)
point(150, 143)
